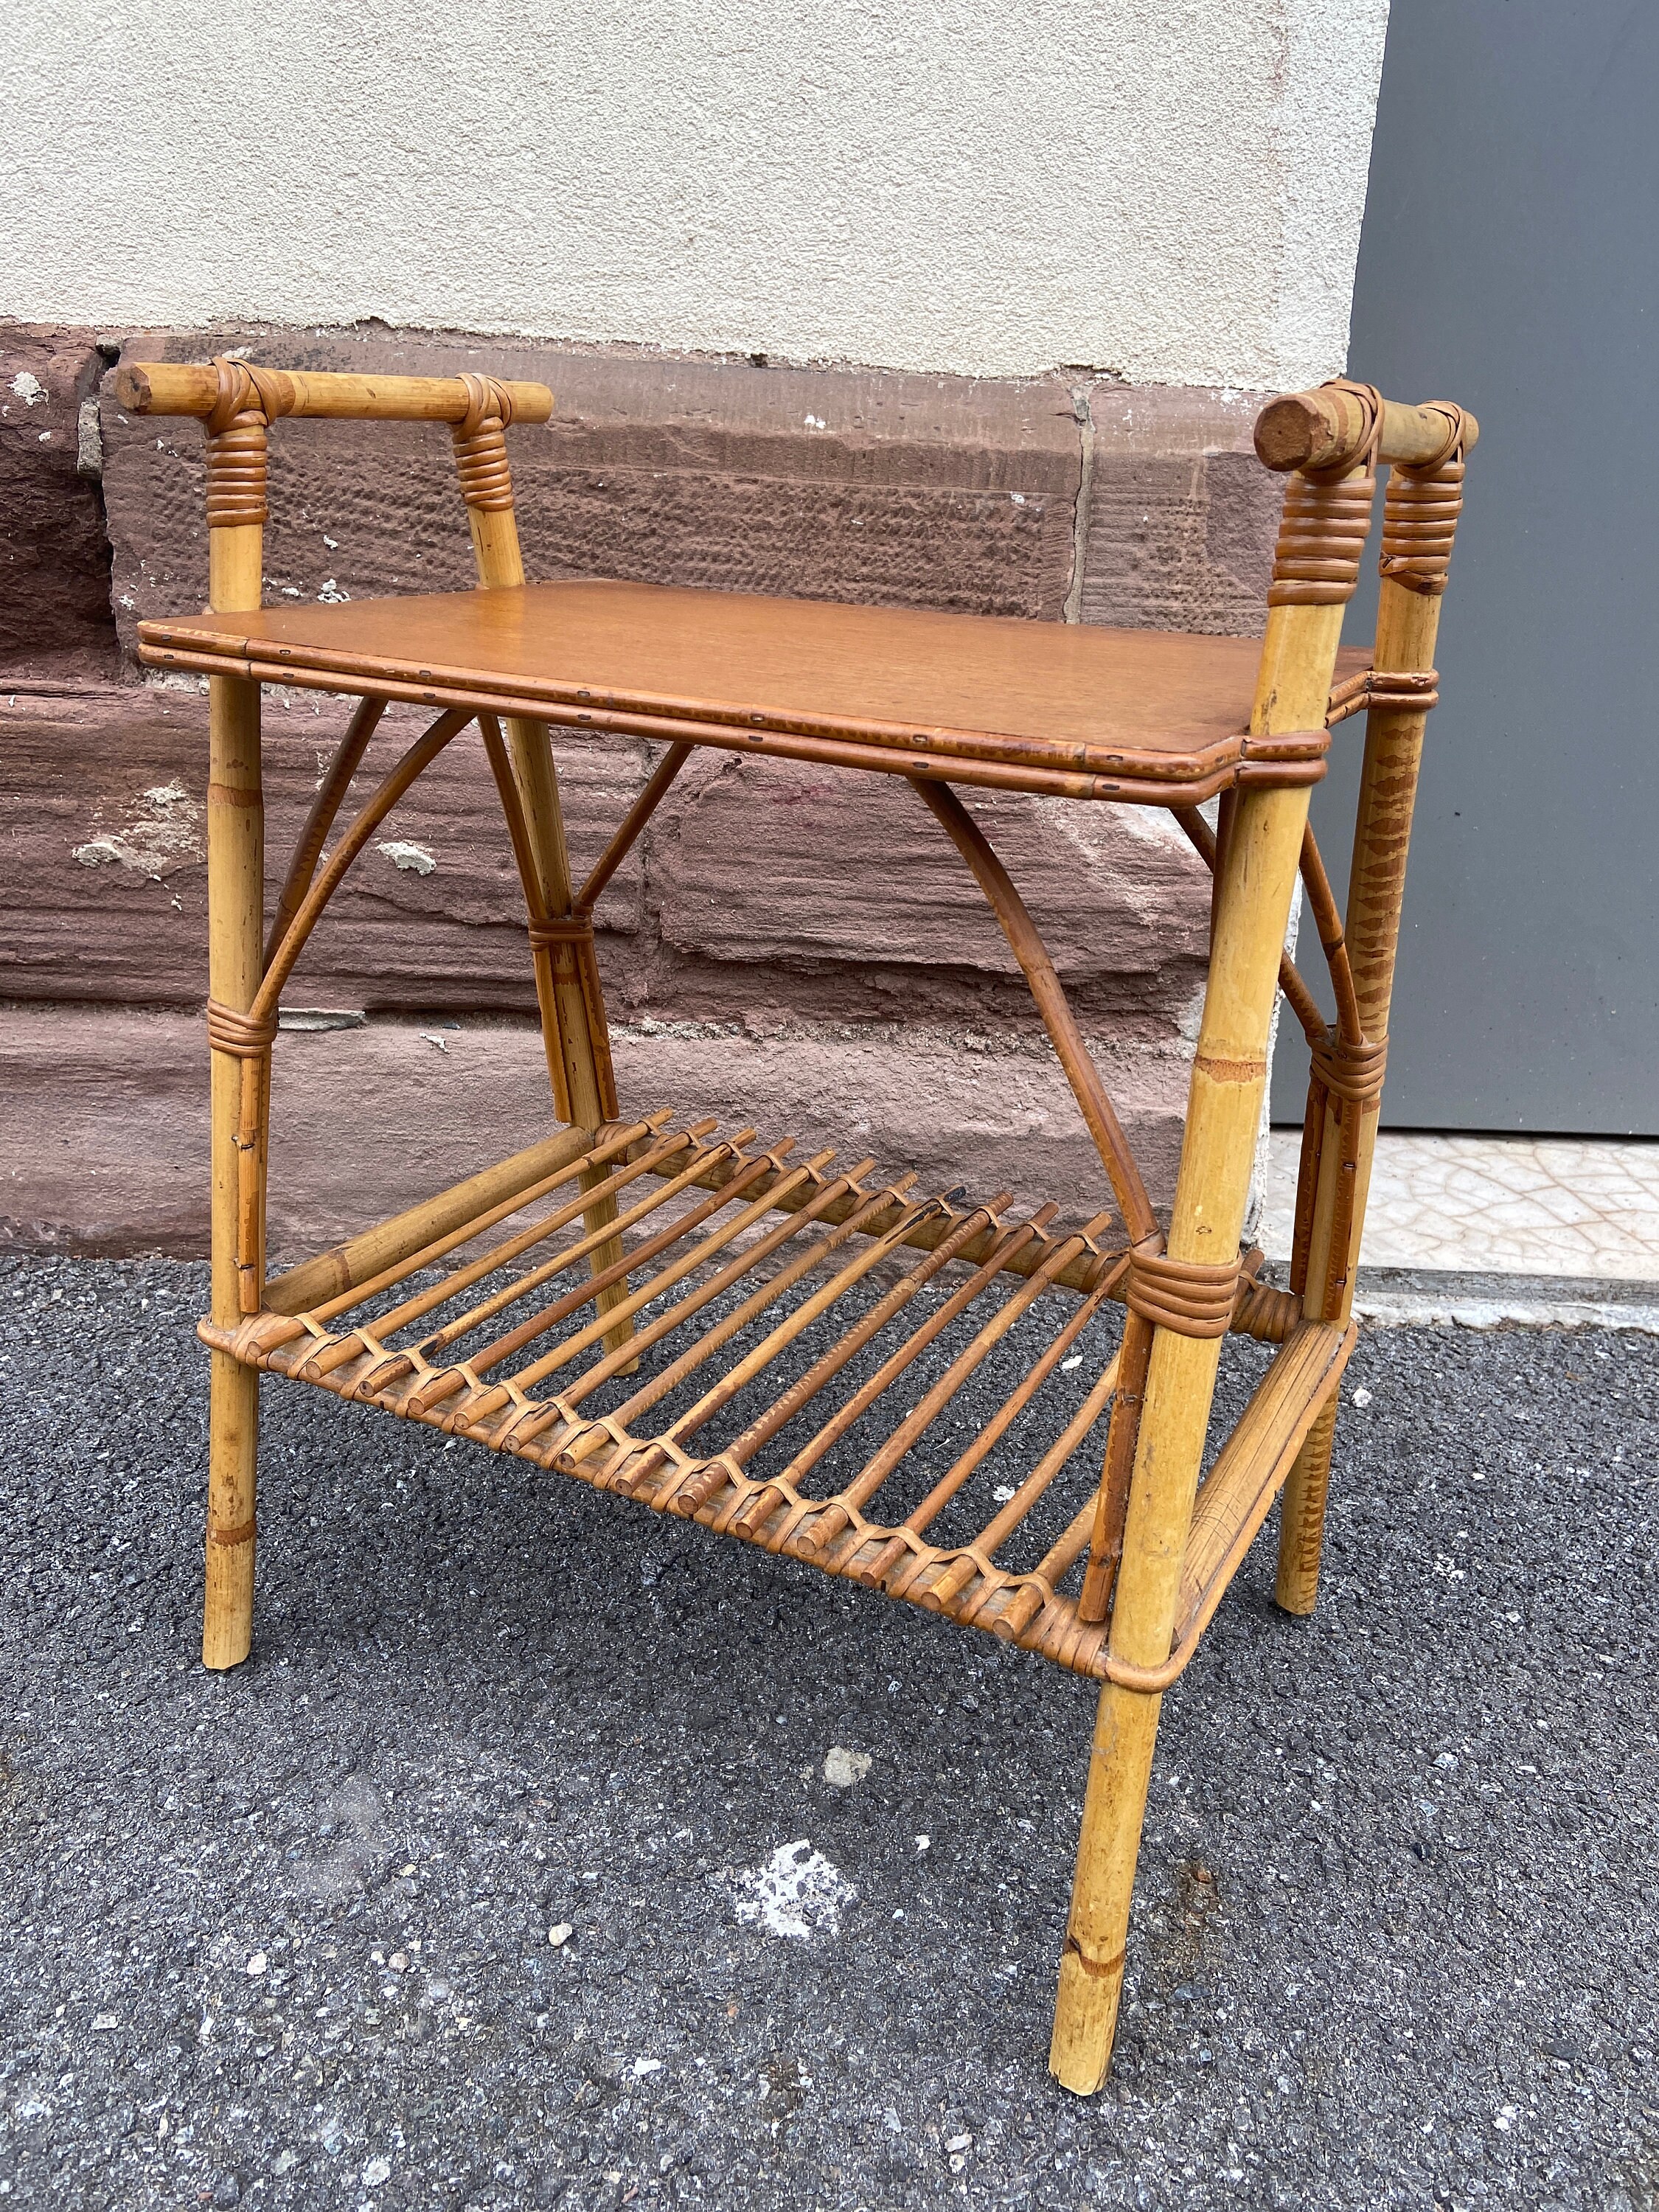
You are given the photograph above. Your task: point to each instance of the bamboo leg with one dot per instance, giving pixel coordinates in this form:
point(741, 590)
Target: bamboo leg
point(570, 1033)
point(1407, 624)
point(235, 820)
point(1258, 871)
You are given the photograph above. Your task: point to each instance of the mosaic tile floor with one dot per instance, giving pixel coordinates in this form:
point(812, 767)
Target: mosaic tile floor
point(1584, 1207)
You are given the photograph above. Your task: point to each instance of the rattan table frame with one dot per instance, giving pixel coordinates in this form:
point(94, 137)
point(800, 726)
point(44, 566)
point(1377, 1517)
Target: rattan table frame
point(793, 1274)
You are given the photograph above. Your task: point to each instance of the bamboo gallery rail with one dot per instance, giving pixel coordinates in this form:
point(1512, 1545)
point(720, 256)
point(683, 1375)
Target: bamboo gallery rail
point(791, 1350)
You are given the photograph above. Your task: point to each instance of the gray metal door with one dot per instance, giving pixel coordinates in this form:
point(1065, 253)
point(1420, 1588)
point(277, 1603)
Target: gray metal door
point(1509, 259)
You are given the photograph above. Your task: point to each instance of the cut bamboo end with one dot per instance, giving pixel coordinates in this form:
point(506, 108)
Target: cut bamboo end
point(227, 1607)
point(1330, 429)
point(1085, 2020)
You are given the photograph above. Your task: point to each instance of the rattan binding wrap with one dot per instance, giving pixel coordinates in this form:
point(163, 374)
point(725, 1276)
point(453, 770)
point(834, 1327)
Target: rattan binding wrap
point(1326, 521)
point(1184, 1295)
point(237, 447)
point(480, 448)
point(239, 1034)
point(1420, 513)
point(1407, 690)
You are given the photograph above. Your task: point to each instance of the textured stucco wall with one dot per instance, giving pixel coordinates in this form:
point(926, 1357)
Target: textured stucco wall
point(1171, 192)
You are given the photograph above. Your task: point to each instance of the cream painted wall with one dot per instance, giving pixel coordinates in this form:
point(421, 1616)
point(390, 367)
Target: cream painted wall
point(1169, 189)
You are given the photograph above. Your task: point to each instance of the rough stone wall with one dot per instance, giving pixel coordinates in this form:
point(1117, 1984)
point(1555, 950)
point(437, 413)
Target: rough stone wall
point(790, 947)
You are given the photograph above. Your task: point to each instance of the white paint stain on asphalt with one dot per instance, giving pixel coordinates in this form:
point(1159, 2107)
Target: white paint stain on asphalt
point(796, 1892)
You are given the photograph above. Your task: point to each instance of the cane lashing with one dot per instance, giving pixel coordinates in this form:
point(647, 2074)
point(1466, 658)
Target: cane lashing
point(247, 400)
point(1264, 1311)
point(1322, 539)
point(480, 448)
point(1348, 1070)
point(1399, 690)
point(1325, 520)
point(563, 929)
point(1420, 513)
point(1191, 1296)
point(243, 1036)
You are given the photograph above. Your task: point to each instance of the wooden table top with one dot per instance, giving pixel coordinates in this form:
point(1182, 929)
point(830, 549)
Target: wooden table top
point(1098, 713)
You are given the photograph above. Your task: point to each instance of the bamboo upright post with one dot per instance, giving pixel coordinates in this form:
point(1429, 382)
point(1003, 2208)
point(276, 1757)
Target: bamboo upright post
point(579, 1060)
point(1420, 521)
point(1315, 572)
point(235, 839)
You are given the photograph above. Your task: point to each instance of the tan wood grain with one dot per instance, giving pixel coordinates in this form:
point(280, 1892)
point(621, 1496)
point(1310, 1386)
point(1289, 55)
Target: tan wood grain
point(236, 841)
point(1258, 869)
point(166, 387)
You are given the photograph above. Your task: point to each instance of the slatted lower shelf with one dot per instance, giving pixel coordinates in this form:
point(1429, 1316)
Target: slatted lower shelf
point(710, 1326)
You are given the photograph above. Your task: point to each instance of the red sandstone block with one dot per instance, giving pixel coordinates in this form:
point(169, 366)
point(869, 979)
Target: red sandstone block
point(853, 484)
point(442, 1103)
point(1181, 516)
point(56, 624)
point(774, 865)
point(102, 818)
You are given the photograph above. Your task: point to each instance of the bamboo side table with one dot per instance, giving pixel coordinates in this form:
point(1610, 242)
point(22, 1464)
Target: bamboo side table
point(692, 1320)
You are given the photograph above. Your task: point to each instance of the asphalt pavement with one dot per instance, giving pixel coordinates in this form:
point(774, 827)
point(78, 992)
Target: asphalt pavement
point(546, 1854)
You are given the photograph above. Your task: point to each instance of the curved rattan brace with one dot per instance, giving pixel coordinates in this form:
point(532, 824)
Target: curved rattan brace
point(419, 756)
point(1328, 921)
point(1028, 948)
point(248, 1036)
point(330, 796)
point(632, 824)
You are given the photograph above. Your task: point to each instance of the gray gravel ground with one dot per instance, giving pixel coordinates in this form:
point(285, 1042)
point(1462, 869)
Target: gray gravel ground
point(281, 1938)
